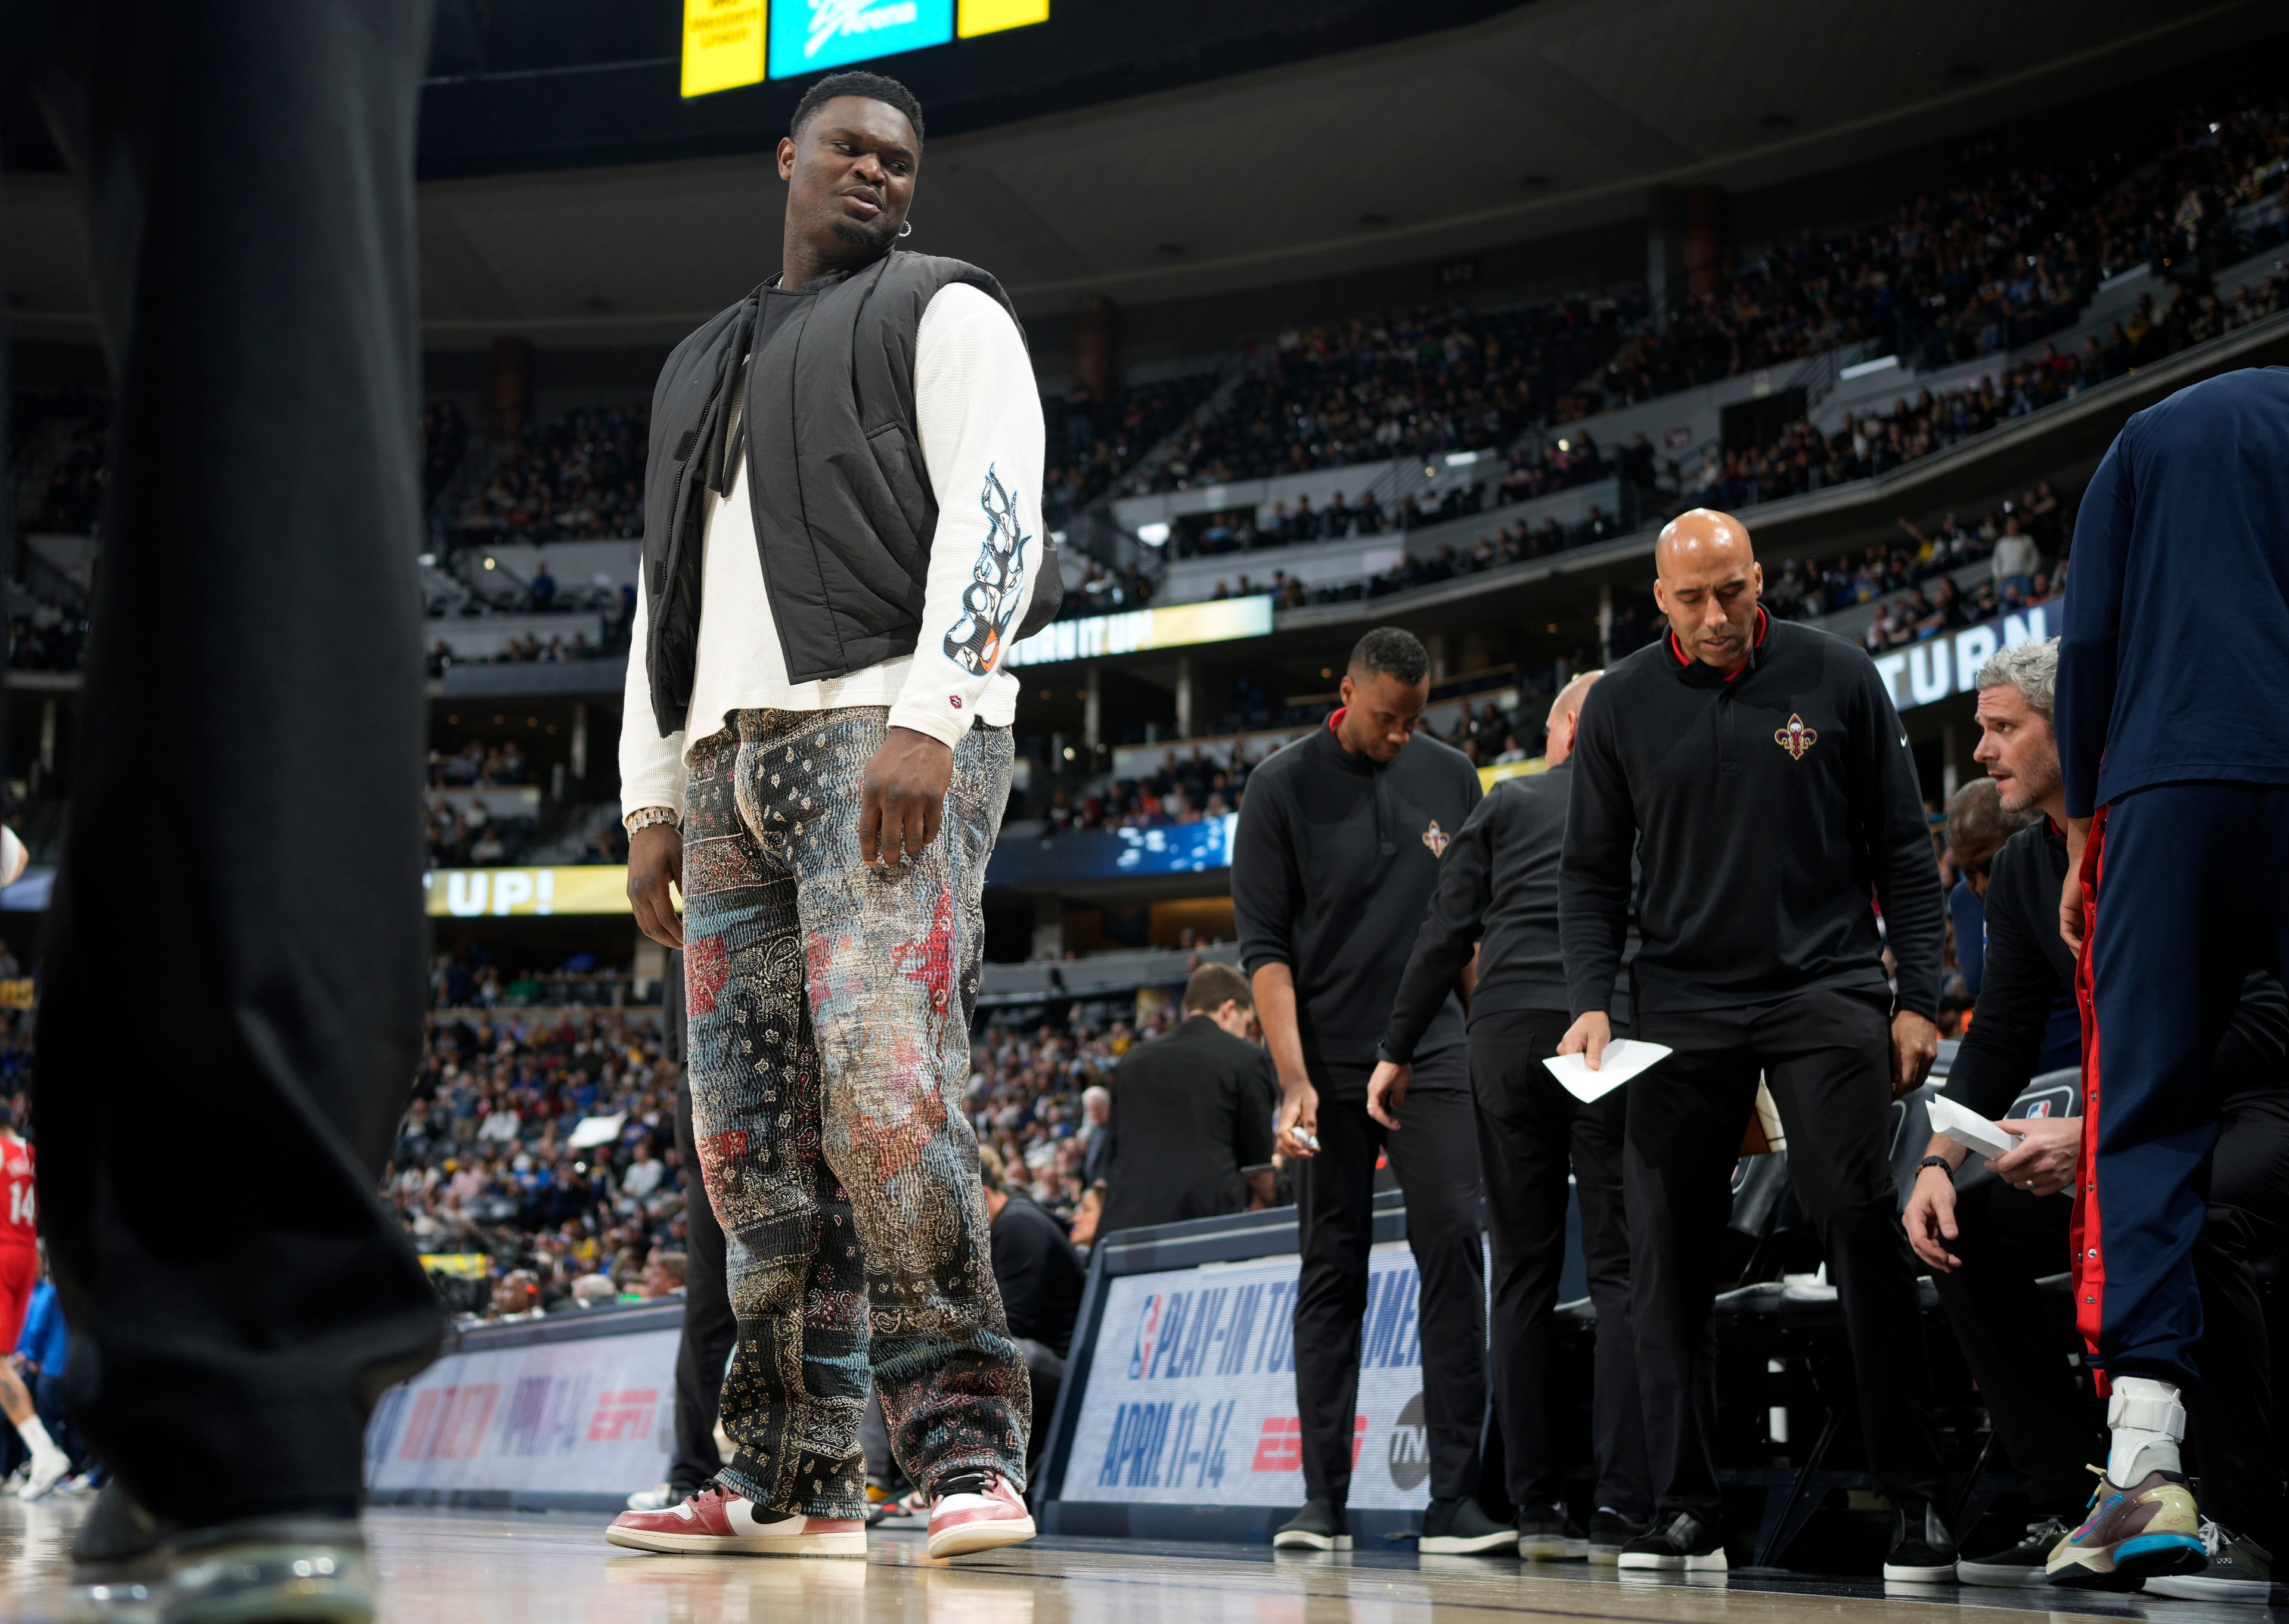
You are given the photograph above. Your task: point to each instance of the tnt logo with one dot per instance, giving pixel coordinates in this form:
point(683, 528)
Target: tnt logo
point(624, 1414)
point(1410, 1446)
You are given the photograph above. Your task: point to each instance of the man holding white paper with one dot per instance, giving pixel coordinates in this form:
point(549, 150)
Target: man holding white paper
point(1493, 930)
point(1336, 858)
point(1988, 1240)
point(1758, 772)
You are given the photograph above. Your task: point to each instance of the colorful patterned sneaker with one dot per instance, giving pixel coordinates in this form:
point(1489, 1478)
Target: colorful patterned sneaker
point(976, 1511)
point(718, 1521)
point(2130, 1535)
point(2240, 1569)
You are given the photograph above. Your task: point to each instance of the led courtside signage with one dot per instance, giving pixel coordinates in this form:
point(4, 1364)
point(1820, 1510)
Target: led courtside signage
point(1218, 620)
point(1927, 671)
point(466, 893)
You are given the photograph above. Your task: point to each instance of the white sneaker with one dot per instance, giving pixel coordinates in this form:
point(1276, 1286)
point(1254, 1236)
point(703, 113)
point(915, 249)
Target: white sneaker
point(49, 1468)
point(658, 1499)
point(982, 1512)
point(719, 1521)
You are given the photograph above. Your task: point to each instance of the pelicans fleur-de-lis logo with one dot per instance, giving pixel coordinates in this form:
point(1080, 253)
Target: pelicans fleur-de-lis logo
point(1437, 838)
point(1796, 739)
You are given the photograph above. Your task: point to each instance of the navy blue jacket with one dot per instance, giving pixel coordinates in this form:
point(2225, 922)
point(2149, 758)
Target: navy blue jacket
point(2175, 662)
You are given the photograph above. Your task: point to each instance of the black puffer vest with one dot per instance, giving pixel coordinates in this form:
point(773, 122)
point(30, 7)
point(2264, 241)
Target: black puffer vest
point(843, 510)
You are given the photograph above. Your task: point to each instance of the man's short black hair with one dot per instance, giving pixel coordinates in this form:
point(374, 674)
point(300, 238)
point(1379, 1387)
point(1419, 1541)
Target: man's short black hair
point(875, 87)
point(1392, 652)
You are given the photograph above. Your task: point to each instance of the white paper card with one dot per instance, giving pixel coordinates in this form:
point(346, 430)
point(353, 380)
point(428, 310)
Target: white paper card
point(1623, 1058)
point(597, 1130)
point(1968, 1129)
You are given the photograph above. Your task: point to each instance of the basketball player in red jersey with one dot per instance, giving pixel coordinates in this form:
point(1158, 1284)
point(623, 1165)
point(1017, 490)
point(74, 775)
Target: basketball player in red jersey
point(19, 1237)
point(20, 1272)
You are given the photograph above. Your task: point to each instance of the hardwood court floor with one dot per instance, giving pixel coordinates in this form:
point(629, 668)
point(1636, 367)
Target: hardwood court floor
point(506, 1568)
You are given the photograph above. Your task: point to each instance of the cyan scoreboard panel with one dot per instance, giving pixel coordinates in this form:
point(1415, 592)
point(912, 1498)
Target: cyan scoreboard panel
point(812, 35)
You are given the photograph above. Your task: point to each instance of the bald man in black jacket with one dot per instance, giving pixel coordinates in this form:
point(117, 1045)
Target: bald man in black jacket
point(1758, 772)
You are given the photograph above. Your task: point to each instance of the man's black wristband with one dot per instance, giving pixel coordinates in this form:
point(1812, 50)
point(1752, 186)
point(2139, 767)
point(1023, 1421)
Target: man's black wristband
point(1940, 1162)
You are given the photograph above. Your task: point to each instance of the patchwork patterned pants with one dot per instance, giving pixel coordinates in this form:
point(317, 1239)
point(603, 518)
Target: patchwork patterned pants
point(829, 1045)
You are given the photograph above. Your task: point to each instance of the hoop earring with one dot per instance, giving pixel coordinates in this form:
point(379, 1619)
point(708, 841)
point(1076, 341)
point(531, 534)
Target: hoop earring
point(907, 229)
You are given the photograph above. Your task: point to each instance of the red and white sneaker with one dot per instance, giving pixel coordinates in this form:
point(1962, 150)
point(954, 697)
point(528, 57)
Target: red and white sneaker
point(717, 1521)
point(976, 1511)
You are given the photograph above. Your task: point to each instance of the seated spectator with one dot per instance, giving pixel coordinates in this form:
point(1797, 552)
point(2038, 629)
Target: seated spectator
point(592, 1290)
point(1977, 825)
point(517, 1296)
point(663, 1274)
point(1041, 1277)
point(1087, 1215)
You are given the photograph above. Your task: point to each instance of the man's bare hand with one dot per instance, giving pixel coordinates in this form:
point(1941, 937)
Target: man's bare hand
point(2043, 1162)
point(1386, 1092)
point(1915, 1045)
point(901, 798)
point(655, 862)
point(1298, 1128)
point(1589, 1037)
point(2070, 906)
point(1930, 1220)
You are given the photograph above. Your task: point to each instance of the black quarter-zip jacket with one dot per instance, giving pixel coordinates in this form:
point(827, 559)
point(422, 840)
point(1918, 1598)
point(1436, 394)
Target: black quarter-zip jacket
point(1767, 811)
point(1334, 865)
point(1498, 894)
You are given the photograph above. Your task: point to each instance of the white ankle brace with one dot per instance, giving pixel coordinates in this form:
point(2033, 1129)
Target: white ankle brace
point(2149, 1422)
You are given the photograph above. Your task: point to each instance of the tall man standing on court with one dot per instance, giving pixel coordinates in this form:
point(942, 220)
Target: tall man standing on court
point(841, 535)
point(1335, 859)
point(1758, 770)
point(2173, 740)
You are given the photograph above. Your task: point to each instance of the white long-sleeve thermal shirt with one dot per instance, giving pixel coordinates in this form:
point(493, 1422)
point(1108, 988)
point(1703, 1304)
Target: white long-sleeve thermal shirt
point(979, 418)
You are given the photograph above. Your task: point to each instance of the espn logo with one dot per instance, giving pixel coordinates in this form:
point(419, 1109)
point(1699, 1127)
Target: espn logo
point(1280, 1447)
point(623, 1414)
